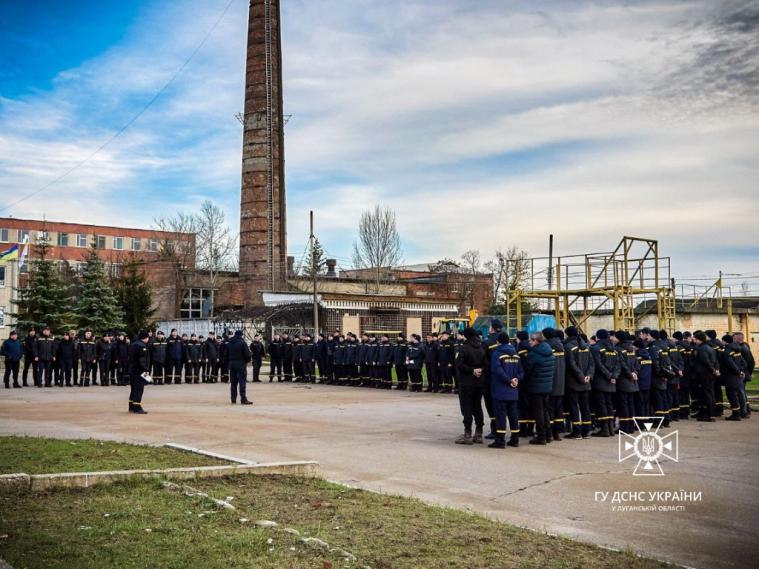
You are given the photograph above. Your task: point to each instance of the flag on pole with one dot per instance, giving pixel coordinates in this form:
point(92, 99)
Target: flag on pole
point(9, 254)
point(24, 251)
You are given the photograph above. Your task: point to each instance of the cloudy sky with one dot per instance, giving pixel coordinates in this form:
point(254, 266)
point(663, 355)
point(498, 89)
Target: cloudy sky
point(483, 124)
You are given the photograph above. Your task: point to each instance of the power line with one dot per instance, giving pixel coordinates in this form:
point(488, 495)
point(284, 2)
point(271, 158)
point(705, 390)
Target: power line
point(130, 122)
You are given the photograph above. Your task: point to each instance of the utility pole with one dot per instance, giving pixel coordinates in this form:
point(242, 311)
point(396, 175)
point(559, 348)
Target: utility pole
point(312, 240)
point(550, 269)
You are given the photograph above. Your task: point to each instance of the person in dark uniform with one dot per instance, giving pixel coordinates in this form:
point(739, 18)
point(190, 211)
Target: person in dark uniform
point(211, 358)
point(662, 373)
point(193, 355)
point(238, 358)
point(174, 358)
point(490, 345)
point(257, 353)
point(44, 355)
point(121, 360)
point(505, 374)
point(685, 348)
point(446, 359)
point(157, 346)
point(556, 399)
point(87, 357)
point(733, 371)
point(75, 363)
point(627, 384)
point(603, 384)
point(580, 369)
point(297, 350)
point(645, 378)
point(275, 358)
point(399, 362)
point(29, 361)
point(103, 350)
point(748, 357)
point(139, 364)
point(719, 397)
point(287, 357)
point(351, 360)
point(705, 371)
point(12, 351)
point(431, 363)
point(385, 363)
point(472, 363)
point(539, 370)
point(526, 421)
point(339, 366)
point(224, 357)
point(414, 362)
point(65, 358)
point(678, 369)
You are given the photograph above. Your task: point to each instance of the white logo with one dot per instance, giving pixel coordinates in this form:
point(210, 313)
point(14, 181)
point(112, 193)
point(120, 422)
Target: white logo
point(649, 446)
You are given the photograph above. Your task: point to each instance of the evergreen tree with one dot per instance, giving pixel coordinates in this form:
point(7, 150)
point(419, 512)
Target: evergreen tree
point(47, 300)
point(316, 261)
point(97, 306)
point(135, 298)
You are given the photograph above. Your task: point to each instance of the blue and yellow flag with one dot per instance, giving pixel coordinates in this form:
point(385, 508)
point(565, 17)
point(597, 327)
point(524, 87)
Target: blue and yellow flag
point(9, 254)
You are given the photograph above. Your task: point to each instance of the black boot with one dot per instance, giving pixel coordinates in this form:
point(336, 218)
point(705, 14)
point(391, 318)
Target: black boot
point(514, 440)
point(734, 416)
point(556, 433)
point(499, 442)
point(538, 440)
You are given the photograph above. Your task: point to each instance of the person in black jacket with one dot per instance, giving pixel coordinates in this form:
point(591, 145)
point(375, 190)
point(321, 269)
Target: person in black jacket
point(556, 399)
point(685, 348)
point(29, 361)
point(174, 353)
point(87, 357)
point(471, 364)
point(44, 355)
point(705, 370)
point(351, 360)
point(75, 365)
point(238, 357)
point(719, 397)
point(733, 371)
point(627, 383)
point(12, 351)
point(399, 362)
point(65, 357)
point(257, 353)
point(446, 359)
point(580, 369)
point(604, 382)
point(663, 372)
point(321, 355)
point(539, 370)
point(139, 364)
point(275, 358)
point(211, 358)
point(193, 356)
point(307, 358)
point(157, 346)
point(431, 363)
point(526, 420)
point(414, 362)
point(748, 357)
point(287, 357)
point(339, 354)
point(121, 360)
point(385, 363)
point(490, 345)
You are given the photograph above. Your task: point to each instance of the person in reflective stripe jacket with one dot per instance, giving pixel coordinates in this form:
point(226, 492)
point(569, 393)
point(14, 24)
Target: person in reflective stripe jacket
point(645, 372)
point(604, 382)
point(580, 369)
point(733, 370)
point(505, 374)
point(627, 384)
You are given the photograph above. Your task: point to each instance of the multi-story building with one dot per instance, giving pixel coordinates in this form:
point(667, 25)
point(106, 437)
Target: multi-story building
point(70, 243)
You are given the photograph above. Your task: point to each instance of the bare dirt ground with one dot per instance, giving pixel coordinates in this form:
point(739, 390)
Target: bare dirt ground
point(401, 443)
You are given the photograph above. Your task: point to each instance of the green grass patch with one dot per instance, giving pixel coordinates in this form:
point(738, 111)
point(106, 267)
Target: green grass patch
point(44, 456)
point(143, 524)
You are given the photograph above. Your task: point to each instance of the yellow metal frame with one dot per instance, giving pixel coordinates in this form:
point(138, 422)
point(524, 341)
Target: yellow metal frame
point(619, 280)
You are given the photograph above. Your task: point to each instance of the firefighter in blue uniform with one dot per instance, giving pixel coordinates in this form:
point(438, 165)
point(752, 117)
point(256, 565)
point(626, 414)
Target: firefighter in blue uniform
point(505, 374)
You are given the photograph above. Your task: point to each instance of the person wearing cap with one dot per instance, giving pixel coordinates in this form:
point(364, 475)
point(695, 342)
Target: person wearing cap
point(471, 363)
point(75, 361)
point(308, 357)
point(361, 349)
point(399, 362)
point(414, 362)
point(748, 357)
point(526, 421)
point(556, 400)
point(431, 363)
point(104, 351)
point(603, 384)
point(275, 358)
point(490, 344)
point(139, 364)
point(238, 358)
point(627, 384)
point(297, 348)
point(385, 363)
point(120, 363)
point(257, 353)
point(351, 360)
point(645, 378)
point(339, 367)
point(445, 358)
point(29, 361)
point(505, 374)
point(157, 347)
point(662, 372)
point(174, 357)
point(287, 357)
point(685, 348)
point(88, 358)
point(580, 370)
point(12, 351)
point(678, 367)
point(193, 356)
point(65, 358)
point(44, 355)
point(733, 371)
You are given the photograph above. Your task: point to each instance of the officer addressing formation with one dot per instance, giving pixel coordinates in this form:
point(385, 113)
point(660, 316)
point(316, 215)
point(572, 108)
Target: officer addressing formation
point(539, 386)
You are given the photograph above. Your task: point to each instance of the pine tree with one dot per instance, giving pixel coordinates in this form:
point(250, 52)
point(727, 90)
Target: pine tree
point(47, 300)
point(97, 306)
point(134, 295)
point(316, 261)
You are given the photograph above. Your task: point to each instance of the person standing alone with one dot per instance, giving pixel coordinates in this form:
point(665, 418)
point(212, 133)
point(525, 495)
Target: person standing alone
point(139, 364)
point(238, 357)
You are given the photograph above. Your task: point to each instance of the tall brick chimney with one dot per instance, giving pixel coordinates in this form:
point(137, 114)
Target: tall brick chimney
point(263, 229)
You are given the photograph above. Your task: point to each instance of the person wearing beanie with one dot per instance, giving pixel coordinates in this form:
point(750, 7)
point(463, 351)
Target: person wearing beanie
point(471, 364)
point(681, 397)
point(414, 363)
point(526, 420)
point(645, 374)
point(12, 351)
point(238, 358)
point(678, 368)
point(705, 366)
point(748, 357)
point(580, 371)
point(607, 371)
point(663, 373)
point(491, 344)
point(139, 364)
point(399, 362)
point(430, 348)
point(445, 356)
point(556, 398)
point(719, 347)
point(627, 383)
point(505, 374)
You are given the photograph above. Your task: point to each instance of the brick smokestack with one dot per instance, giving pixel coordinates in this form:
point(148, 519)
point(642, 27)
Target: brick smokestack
point(263, 229)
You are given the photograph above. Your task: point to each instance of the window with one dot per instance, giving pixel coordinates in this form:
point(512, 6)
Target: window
point(2, 316)
point(5, 235)
point(136, 244)
point(152, 245)
point(23, 235)
point(43, 236)
point(115, 270)
point(184, 247)
point(63, 240)
point(100, 242)
point(197, 304)
point(118, 243)
point(79, 267)
point(81, 240)
point(2, 277)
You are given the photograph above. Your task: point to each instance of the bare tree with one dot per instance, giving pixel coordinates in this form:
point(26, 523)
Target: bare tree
point(472, 261)
point(175, 248)
point(509, 269)
point(215, 244)
point(445, 266)
point(745, 288)
point(378, 244)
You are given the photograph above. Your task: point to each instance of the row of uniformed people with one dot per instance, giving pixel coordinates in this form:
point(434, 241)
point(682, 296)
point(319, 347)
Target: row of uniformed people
point(617, 376)
point(368, 361)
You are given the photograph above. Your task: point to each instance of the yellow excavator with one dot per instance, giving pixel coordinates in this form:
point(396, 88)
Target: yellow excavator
point(456, 326)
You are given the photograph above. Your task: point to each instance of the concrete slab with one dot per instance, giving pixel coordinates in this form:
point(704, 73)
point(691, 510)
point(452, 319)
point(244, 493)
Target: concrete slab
point(402, 443)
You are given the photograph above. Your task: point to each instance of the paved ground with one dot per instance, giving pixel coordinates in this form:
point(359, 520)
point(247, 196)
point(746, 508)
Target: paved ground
point(401, 443)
